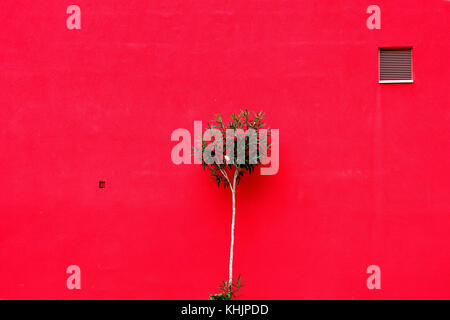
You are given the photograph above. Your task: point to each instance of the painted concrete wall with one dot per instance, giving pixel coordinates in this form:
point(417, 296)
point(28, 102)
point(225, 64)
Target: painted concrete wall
point(364, 168)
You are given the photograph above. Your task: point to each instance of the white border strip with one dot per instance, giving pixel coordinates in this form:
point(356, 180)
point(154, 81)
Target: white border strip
point(395, 81)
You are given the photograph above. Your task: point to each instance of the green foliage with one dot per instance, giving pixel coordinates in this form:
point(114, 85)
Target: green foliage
point(228, 292)
point(221, 171)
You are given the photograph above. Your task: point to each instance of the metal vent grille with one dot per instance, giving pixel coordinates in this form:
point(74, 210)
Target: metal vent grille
point(396, 65)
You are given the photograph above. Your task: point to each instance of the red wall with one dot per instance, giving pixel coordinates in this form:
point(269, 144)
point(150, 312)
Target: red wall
point(364, 168)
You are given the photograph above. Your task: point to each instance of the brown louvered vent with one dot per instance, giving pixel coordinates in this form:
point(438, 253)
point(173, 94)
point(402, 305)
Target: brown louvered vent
point(396, 65)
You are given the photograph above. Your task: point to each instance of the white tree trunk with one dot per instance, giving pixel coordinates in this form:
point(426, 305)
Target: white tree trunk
point(233, 192)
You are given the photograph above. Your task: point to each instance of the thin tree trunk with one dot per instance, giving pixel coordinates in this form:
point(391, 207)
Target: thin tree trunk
point(233, 192)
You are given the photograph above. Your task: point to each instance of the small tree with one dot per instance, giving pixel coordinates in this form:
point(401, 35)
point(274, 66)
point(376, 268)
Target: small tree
point(243, 134)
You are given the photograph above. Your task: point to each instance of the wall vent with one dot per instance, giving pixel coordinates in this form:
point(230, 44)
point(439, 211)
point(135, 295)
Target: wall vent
point(395, 65)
